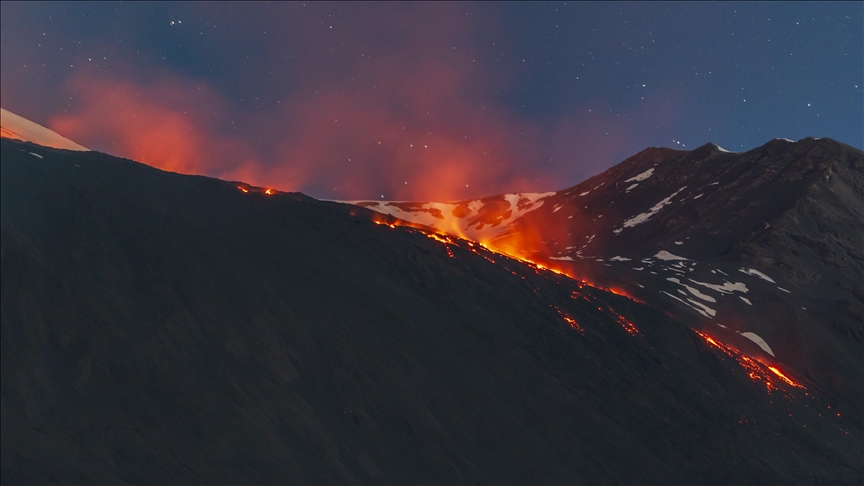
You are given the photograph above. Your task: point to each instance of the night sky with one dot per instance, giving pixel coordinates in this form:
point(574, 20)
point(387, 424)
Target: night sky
point(443, 101)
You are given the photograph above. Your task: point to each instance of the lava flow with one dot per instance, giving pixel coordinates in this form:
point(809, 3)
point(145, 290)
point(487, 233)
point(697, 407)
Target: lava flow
point(569, 320)
point(247, 189)
point(448, 240)
point(443, 239)
point(756, 370)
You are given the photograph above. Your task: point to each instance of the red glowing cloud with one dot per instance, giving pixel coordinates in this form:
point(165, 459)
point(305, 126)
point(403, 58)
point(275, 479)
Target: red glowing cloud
point(164, 125)
point(405, 113)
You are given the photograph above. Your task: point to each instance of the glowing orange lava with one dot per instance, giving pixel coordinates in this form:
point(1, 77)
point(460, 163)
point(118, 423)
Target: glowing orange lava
point(243, 189)
point(785, 378)
point(756, 370)
point(569, 320)
point(448, 240)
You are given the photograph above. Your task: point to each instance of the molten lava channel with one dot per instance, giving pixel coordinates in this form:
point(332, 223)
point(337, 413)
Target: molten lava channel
point(448, 241)
point(756, 370)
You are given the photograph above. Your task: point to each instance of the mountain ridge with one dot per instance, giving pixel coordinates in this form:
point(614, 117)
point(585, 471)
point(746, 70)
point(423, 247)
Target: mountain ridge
point(158, 327)
point(788, 211)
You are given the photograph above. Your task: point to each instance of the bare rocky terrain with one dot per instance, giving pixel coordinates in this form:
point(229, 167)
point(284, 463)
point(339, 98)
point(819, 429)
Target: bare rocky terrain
point(162, 328)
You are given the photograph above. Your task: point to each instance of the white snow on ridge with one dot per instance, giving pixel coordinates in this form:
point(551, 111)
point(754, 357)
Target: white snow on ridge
point(757, 273)
point(700, 309)
point(665, 255)
point(695, 292)
point(759, 341)
point(20, 128)
point(641, 177)
point(726, 288)
point(641, 218)
point(427, 214)
point(722, 149)
point(706, 310)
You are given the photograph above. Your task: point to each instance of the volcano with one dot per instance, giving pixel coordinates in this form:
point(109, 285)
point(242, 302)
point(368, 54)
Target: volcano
point(165, 328)
point(768, 243)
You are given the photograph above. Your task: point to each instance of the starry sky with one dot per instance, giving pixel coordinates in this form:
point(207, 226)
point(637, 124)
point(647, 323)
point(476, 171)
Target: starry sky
point(440, 101)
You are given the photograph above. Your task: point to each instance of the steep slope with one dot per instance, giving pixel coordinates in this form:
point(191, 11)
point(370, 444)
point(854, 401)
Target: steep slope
point(20, 128)
point(768, 243)
point(165, 328)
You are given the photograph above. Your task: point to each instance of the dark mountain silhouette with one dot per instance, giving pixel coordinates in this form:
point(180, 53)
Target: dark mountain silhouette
point(162, 328)
point(768, 243)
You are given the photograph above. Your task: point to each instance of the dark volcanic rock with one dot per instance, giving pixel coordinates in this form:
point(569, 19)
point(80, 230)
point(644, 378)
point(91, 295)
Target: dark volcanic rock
point(160, 328)
point(793, 211)
point(768, 243)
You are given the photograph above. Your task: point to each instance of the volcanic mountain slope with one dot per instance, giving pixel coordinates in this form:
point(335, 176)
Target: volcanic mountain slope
point(166, 328)
point(768, 243)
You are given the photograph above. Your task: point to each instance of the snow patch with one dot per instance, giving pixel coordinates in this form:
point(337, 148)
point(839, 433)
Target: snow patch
point(759, 341)
point(37, 155)
point(665, 255)
point(697, 197)
point(707, 311)
point(619, 259)
point(687, 304)
point(631, 188)
point(745, 299)
point(585, 193)
point(679, 242)
point(726, 288)
point(566, 258)
point(784, 290)
point(641, 177)
point(641, 218)
point(750, 271)
point(695, 292)
point(441, 216)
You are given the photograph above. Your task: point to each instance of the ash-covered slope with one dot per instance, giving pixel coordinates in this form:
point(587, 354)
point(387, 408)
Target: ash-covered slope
point(768, 243)
point(161, 328)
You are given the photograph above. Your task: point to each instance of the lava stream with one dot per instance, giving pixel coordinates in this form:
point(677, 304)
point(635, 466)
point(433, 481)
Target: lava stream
point(756, 370)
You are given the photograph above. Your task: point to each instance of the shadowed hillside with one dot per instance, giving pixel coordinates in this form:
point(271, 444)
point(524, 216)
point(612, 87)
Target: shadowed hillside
point(160, 328)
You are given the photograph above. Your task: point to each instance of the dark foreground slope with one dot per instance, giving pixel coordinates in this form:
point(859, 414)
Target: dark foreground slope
point(159, 328)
